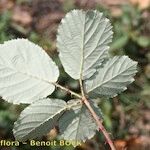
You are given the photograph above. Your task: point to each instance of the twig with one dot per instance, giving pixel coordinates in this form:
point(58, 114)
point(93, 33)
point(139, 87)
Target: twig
point(99, 123)
point(96, 118)
point(67, 90)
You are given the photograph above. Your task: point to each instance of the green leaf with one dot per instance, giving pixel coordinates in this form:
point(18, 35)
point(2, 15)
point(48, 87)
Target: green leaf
point(146, 90)
point(38, 119)
point(82, 42)
point(143, 41)
point(113, 78)
point(77, 123)
point(26, 72)
point(120, 42)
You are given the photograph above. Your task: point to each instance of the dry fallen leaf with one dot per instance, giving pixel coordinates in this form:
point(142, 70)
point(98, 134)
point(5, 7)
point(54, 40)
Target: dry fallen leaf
point(6, 4)
point(138, 143)
point(133, 143)
point(143, 4)
point(120, 144)
point(114, 6)
point(48, 20)
point(21, 16)
point(53, 133)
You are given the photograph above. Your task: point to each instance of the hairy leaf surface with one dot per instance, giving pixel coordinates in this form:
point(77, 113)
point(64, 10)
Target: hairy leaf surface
point(38, 119)
point(78, 124)
point(82, 42)
point(113, 78)
point(26, 72)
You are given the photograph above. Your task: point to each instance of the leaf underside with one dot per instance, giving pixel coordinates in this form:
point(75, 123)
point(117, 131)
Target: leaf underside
point(26, 72)
point(82, 42)
point(78, 124)
point(38, 119)
point(113, 78)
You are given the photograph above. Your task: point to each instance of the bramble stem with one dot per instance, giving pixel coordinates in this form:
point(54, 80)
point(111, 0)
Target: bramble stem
point(96, 118)
point(68, 90)
point(99, 123)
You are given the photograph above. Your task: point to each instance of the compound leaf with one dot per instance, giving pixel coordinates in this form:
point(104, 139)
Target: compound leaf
point(78, 124)
point(38, 118)
point(82, 42)
point(26, 72)
point(113, 78)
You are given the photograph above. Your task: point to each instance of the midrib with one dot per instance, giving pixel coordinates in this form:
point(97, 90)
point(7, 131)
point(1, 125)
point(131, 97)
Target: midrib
point(32, 76)
point(108, 80)
point(82, 49)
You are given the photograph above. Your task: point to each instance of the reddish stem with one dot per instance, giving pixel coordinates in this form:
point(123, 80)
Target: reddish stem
point(99, 123)
point(96, 118)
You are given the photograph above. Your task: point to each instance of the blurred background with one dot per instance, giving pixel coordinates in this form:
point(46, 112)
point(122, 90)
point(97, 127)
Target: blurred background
point(126, 117)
